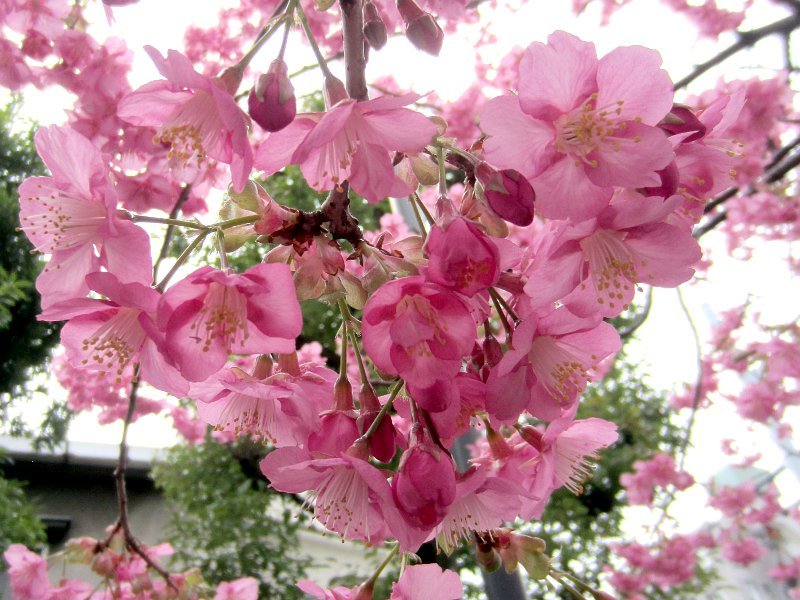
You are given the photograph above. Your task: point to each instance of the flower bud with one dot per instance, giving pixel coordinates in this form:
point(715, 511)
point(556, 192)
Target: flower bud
point(272, 103)
point(681, 119)
point(374, 27)
point(422, 30)
point(231, 78)
point(425, 34)
point(508, 194)
point(333, 91)
point(425, 484)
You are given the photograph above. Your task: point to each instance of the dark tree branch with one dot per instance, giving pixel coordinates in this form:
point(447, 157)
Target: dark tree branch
point(746, 39)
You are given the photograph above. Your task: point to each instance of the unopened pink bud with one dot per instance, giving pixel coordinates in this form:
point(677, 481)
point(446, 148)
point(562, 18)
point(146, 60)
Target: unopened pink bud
point(425, 34)
point(531, 435)
point(681, 119)
point(333, 91)
point(409, 10)
point(272, 103)
point(374, 27)
point(508, 194)
point(425, 486)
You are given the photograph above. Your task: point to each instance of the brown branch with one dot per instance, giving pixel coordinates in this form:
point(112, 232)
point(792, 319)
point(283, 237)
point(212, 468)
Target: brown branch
point(746, 39)
point(336, 211)
point(775, 170)
point(354, 59)
point(123, 523)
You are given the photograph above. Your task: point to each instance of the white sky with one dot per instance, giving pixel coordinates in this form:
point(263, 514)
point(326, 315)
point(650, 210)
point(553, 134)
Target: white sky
point(667, 344)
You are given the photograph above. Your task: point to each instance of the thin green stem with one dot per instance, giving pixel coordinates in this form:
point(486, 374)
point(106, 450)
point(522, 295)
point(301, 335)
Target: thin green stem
point(301, 15)
point(382, 566)
point(343, 362)
point(286, 30)
point(223, 254)
point(270, 28)
point(182, 259)
point(417, 214)
point(442, 172)
point(236, 222)
point(361, 368)
point(383, 412)
point(456, 150)
point(167, 221)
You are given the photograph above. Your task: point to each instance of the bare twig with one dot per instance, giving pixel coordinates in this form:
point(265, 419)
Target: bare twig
point(746, 39)
point(641, 317)
point(698, 386)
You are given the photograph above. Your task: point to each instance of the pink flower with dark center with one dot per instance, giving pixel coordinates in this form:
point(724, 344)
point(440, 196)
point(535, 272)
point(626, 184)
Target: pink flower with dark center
point(270, 404)
point(352, 141)
point(196, 115)
point(581, 126)
point(417, 330)
point(73, 216)
point(633, 240)
point(211, 314)
point(461, 257)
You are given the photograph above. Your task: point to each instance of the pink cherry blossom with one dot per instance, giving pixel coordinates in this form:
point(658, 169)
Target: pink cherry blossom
point(462, 257)
point(417, 330)
point(72, 215)
point(352, 141)
point(195, 114)
point(581, 126)
point(245, 588)
point(548, 364)
point(213, 313)
point(110, 335)
point(27, 573)
point(420, 582)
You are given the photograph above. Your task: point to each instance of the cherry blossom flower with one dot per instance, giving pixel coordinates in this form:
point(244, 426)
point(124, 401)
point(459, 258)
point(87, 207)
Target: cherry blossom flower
point(581, 126)
point(196, 115)
point(72, 215)
point(417, 330)
point(213, 313)
point(427, 581)
point(352, 141)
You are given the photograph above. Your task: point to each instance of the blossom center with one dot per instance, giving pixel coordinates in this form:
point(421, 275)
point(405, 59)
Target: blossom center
point(116, 342)
point(585, 129)
point(223, 318)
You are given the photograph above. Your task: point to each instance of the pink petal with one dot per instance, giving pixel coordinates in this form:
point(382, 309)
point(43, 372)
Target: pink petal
point(516, 140)
point(633, 74)
point(557, 77)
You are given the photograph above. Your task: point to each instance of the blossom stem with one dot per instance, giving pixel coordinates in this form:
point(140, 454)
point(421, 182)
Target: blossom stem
point(182, 259)
point(286, 30)
point(572, 591)
point(442, 172)
point(270, 28)
point(236, 222)
point(301, 16)
point(223, 255)
point(417, 214)
point(456, 150)
point(424, 209)
point(162, 254)
point(501, 314)
point(167, 221)
point(384, 410)
point(496, 296)
point(382, 566)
